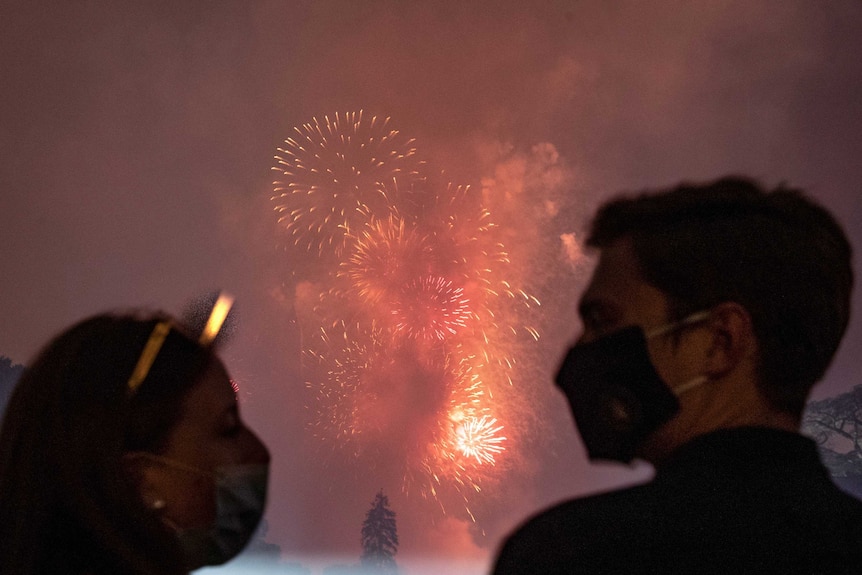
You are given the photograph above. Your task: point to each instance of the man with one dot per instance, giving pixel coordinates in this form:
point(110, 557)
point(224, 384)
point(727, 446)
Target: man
point(712, 312)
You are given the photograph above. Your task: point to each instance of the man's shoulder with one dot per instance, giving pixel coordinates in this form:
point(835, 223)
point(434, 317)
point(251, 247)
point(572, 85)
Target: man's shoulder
point(578, 530)
point(591, 512)
point(776, 509)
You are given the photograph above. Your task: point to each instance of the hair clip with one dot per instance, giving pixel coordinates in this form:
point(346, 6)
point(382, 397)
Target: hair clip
point(160, 332)
point(148, 355)
point(217, 316)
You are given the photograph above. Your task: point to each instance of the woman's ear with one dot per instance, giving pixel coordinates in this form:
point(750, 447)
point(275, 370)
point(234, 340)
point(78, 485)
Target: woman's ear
point(145, 476)
point(733, 343)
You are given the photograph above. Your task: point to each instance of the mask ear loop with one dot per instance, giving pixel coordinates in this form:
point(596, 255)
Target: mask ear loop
point(694, 318)
point(179, 465)
point(691, 384)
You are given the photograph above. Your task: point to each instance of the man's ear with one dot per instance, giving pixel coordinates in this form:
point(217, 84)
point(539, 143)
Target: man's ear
point(733, 342)
point(145, 475)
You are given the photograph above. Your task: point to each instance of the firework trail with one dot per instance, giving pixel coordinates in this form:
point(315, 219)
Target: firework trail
point(409, 348)
point(336, 173)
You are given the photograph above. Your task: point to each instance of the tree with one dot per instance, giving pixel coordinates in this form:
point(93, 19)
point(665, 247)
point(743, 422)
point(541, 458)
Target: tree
point(9, 374)
point(835, 423)
point(379, 537)
point(259, 550)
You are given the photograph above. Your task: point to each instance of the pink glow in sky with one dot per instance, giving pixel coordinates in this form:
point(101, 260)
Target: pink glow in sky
point(137, 139)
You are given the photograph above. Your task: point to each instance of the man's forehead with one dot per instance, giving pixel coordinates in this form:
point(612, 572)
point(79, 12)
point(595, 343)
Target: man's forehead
point(615, 273)
point(618, 287)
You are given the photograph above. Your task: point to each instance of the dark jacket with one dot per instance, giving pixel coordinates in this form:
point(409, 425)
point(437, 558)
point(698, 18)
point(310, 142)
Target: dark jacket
point(746, 500)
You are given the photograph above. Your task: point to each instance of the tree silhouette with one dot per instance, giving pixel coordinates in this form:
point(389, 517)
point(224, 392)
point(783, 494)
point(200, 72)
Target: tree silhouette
point(379, 537)
point(836, 424)
point(9, 374)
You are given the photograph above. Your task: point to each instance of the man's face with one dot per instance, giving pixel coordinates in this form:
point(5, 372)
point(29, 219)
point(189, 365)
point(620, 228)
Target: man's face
point(618, 297)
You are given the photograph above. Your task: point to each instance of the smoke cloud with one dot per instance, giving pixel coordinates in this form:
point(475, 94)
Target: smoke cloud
point(138, 141)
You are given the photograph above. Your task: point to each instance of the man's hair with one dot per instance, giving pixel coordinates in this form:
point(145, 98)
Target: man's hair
point(777, 253)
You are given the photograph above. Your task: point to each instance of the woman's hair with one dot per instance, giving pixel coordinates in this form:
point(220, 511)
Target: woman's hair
point(67, 502)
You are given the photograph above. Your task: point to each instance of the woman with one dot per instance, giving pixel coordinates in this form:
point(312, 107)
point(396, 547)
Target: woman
point(122, 451)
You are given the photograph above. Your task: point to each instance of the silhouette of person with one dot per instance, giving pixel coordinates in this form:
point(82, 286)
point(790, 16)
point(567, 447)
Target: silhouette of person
point(122, 451)
point(711, 313)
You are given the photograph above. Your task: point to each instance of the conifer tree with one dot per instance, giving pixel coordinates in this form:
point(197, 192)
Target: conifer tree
point(9, 375)
point(379, 537)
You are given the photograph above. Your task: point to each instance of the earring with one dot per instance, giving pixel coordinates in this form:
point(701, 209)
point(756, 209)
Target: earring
point(158, 504)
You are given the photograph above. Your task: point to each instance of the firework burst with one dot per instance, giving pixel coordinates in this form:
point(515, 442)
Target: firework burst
point(467, 238)
point(376, 400)
point(478, 438)
point(411, 326)
point(335, 173)
point(444, 461)
point(430, 307)
point(386, 255)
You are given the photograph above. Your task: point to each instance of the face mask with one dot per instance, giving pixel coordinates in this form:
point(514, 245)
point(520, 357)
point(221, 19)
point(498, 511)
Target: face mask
point(240, 492)
point(240, 502)
point(615, 393)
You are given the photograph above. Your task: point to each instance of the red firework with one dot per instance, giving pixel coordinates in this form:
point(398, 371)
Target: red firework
point(385, 256)
point(412, 319)
point(430, 307)
point(371, 394)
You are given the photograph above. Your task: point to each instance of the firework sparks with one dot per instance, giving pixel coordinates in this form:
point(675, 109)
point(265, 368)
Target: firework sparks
point(410, 328)
point(431, 307)
point(479, 439)
point(385, 256)
point(334, 174)
point(369, 392)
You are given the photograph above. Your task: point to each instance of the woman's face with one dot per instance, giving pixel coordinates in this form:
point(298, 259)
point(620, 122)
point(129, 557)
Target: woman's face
point(208, 435)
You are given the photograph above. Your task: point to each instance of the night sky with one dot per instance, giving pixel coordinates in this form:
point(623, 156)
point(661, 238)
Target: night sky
point(137, 140)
